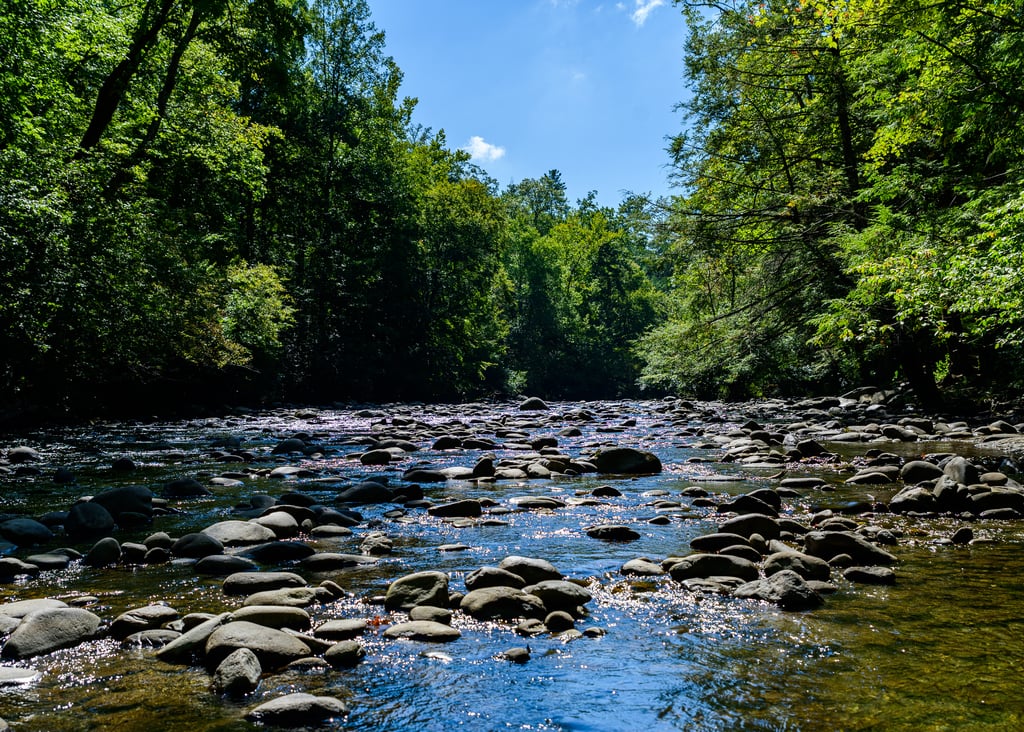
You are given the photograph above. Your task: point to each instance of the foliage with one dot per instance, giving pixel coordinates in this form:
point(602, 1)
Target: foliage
point(842, 169)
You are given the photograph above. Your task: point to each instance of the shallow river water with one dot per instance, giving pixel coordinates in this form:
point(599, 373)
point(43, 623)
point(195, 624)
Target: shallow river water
point(942, 649)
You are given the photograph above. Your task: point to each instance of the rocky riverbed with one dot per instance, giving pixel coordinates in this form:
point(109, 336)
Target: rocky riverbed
point(526, 565)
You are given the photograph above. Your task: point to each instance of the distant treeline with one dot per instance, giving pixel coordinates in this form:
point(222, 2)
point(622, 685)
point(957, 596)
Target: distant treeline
point(226, 199)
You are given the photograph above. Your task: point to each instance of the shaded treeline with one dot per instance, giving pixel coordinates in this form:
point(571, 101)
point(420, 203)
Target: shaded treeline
point(214, 199)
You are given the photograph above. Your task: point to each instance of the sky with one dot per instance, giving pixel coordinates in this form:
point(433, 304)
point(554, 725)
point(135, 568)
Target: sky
point(587, 87)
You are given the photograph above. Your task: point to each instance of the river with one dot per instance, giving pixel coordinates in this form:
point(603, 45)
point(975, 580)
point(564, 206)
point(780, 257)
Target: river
point(939, 650)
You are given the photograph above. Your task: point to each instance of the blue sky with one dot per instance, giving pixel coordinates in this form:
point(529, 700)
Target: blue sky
point(584, 86)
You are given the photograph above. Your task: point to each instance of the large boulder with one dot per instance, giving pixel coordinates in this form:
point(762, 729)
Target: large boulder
point(420, 588)
point(626, 461)
point(49, 630)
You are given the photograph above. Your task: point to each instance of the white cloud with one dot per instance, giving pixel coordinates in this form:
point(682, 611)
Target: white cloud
point(643, 9)
point(481, 151)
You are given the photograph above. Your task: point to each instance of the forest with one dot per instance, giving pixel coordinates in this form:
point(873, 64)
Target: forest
point(219, 201)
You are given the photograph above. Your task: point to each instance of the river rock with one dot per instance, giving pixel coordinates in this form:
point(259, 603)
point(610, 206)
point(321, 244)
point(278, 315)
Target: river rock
point(239, 533)
point(805, 565)
point(289, 445)
point(493, 577)
point(366, 492)
point(141, 618)
point(423, 630)
point(828, 544)
point(21, 608)
point(196, 546)
point(612, 533)
point(49, 560)
point(502, 603)
point(785, 588)
point(341, 629)
point(281, 523)
point(421, 588)
point(424, 475)
point(153, 638)
point(276, 552)
point(559, 594)
point(345, 654)
point(641, 567)
point(298, 710)
point(626, 461)
point(23, 454)
point(246, 583)
point(274, 648)
point(702, 566)
point(104, 553)
point(713, 543)
point(748, 504)
point(238, 674)
point(433, 614)
point(223, 565)
point(469, 508)
point(916, 499)
point(286, 596)
point(870, 575)
point(87, 520)
point(330, 562)
point(273, 616)
point(533, 404)
point(531, 569)
point(960, 470)
point(12, 568)
point(134, 499)
point(25, 532)
point(44, 631)
point(917, 471)
point(192, 643)
point(185, 488)
point(752, 523)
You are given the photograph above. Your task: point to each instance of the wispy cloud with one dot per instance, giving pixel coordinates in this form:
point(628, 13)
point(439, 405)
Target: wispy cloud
point(481, 151)
point(643, 9)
